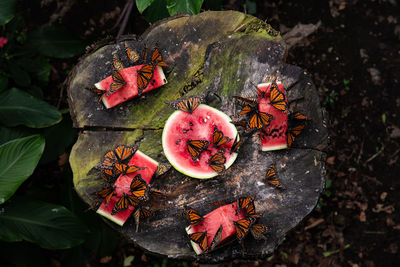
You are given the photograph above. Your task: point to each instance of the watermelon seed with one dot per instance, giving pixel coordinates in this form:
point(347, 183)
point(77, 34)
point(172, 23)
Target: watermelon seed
point(190, 123)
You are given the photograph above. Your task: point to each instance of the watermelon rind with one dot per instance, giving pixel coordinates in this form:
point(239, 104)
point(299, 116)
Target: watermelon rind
point(112, 218)
point(195, 246)
point(194, 173)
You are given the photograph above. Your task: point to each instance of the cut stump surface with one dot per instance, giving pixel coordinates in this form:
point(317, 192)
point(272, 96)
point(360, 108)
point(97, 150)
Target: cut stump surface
point(219, 54)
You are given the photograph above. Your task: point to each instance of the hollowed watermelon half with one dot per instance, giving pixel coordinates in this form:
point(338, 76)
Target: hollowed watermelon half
point(274, 136)
point(183, 126)
point(224, 216)
point(129, 90)
point(122, 185)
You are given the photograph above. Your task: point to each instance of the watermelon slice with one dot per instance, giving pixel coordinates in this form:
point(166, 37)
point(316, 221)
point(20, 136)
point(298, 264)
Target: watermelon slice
point(274, 136)
point(122, 185)
point(183, 126)
point(129, 90)
point(224, 216)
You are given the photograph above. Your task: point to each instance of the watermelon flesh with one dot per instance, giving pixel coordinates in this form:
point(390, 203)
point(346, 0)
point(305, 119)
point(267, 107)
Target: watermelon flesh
point(129, 90)
point(273, 137)
point(122, 185)
point(224, 216)
point(183, 126)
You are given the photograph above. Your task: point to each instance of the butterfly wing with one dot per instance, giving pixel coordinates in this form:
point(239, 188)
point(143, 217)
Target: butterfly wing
point(201, 239)
point(132, 55)
point(217, 162)
point(196, 147)
point(298, 116)
point(117, 83)
point(122, 204)
point(162, 168)
point(218, 137)
point(188, 104)
point(157, 59)
point(107, 193)
point(293, 132)
point(117, 64)
point(193, 216)
point(97, 91)
point(236, 144)
point(242, 227)
point(217, 238)
point(139, 188)
point(251, 210)
point(124, 153)
point(258, 230)
point(144, 76)
point(278, 99)
point(272, 177)
point(244, 202)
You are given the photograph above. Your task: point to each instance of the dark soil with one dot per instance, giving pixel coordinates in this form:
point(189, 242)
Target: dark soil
point(354, 60)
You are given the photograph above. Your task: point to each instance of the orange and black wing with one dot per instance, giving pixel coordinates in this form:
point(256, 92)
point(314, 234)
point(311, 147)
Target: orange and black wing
point(217, 162)
point(108, 161)
point(201, 239)
point(258, 230)
point(293, 132)
point(188, 104)
point(97, 91)
point(258, 121)
point(107, 193)
point(217, 238)
point(139, 188)
point(157, 59)
point(298, 116)
point(117, 83)
point(236, 145)
point(124, 153)
point(132, 55)
point(162, 168)
point(144, 213)
point(117, 64)
point(193, 216)
point(278, 99)
point(242, 227)
point(144, 76)
point(251, 210)
point(272, 177)
point(243, 101)
point(218, 137)
point(244, 202)
point(196, 147)
point(122, 204)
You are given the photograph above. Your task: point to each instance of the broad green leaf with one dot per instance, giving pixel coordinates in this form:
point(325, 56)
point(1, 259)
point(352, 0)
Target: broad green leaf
point(156, 11)
point(18, 160)
point(3, 82)
point(143, 4)
point(20, 108)
point(48, 225)
point(55, 42)
point(8, 134)
point(19, 75)
point(184, 6)
point(39, 67)
point(7, 10)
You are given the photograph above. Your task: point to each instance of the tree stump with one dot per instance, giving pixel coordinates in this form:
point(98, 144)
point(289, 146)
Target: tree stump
point(220, 53)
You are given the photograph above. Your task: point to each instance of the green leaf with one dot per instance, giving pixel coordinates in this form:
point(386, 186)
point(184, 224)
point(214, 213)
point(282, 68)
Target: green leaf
point(191, 7)
point(3, 82)
point(251, 7)
point(39, 67)
point(50, 226)
point(7, 10)
point(8, 134)
point(55, 42)
point(143, 4)
point(20, 108)
point(18, 160)
point(156, 11)
point(20, 76)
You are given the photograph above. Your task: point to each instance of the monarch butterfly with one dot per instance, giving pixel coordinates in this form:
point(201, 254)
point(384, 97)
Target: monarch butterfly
point(293, 132)
point(132, 55)
point(236, 145)
point(124, 153)
point(217, 238)
point(162, 168)
point(217, 162)
point(117, 64)
point(124, 202)
point(272, 177)
point(218, 137)
point(242, 227)
point(258, 121)
point(144, 76)
point(193, 216)
point(97, 91)
point(244, 202)
point(187, 104)
point(258, 230)
point(107, 194)
point(196, 147)
point(277, 98)
point(139, 188)
point(120, 168)
point(251, 211)
point(109, 173)
point(201, 239)
point(243, 101)
point(109, 159)
point(144, 53)
point(141, 213)
point(260, 93)
point(298, 116)
point(157, 59)
point(117, 83)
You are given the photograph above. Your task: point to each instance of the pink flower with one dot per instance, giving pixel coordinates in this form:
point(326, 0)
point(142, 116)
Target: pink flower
point(3, 41)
